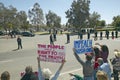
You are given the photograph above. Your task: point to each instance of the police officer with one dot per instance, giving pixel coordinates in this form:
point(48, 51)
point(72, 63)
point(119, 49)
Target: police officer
point(19, 41)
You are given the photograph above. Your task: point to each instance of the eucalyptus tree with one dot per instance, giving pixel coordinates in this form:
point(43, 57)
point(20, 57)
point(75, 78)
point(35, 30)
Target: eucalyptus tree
point(22, 20)
point(52, 20)
point(78, 14)
point(35, 15)
point(94, 19)
point(2, 15)
point(12, 17)
point(7, 16)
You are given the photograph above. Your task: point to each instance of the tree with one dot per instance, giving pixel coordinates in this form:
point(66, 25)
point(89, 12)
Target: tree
point(7, 15)
point(116, 21)
point(94, 19)
point(78, 14)
point(22, 19)
point(2, 15)
point(36, 16)
point(102, 23)
point(52, 20)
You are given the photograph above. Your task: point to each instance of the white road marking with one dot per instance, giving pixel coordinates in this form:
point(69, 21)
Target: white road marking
point(5, 61)
point(117, 40)
point(70, 71)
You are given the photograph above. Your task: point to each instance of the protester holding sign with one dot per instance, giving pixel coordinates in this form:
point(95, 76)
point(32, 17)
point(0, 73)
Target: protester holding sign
point(46, 74)
point(51, 53)
point(88, 66)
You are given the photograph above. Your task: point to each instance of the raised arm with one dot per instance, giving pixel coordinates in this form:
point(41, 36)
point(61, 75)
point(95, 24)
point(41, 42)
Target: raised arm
point(38, 59)
point(59, 70)
point(98, 44)
point(40, 76)
point(77, 57)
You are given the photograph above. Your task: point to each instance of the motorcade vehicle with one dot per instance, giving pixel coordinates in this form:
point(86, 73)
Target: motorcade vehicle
point(27, 34)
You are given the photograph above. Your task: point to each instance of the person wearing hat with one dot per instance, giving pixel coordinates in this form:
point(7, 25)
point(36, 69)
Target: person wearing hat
point(87, 65)
point(116, 64)
point(45, 74)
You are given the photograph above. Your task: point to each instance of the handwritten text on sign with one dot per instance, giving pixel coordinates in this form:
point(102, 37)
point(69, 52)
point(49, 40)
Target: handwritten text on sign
point(83, 46)
point(51, 53)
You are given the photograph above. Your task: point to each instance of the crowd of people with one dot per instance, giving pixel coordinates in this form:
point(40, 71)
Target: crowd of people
point(95, 67)
point(41, 74)
point(112, 35)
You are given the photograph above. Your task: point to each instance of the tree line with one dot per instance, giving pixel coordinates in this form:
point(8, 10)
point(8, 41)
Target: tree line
point(78, 16)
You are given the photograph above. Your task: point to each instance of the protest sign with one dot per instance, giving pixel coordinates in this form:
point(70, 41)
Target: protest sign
point(83, 46)
point(51, 53)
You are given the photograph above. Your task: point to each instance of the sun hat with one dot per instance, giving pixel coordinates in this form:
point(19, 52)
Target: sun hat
point(117, 53)
point(46, 73)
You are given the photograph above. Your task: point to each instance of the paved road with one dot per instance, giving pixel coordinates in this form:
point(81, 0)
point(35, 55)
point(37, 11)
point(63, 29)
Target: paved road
point(15, 61)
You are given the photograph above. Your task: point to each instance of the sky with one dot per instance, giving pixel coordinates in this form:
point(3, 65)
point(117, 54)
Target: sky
point(106, 8)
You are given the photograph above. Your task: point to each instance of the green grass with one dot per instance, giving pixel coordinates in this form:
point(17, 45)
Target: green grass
point(46, 33)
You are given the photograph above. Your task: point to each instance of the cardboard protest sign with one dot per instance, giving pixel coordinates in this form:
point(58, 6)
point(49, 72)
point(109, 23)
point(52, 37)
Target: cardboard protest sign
point(83, 46)
point(51, 53)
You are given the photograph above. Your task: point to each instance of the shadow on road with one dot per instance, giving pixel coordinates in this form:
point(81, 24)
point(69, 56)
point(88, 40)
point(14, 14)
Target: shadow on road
point(15, 49)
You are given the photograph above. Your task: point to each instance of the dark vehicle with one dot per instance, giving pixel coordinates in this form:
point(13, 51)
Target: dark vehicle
point(16, 32)
point(28, 34)
point(2, 33)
